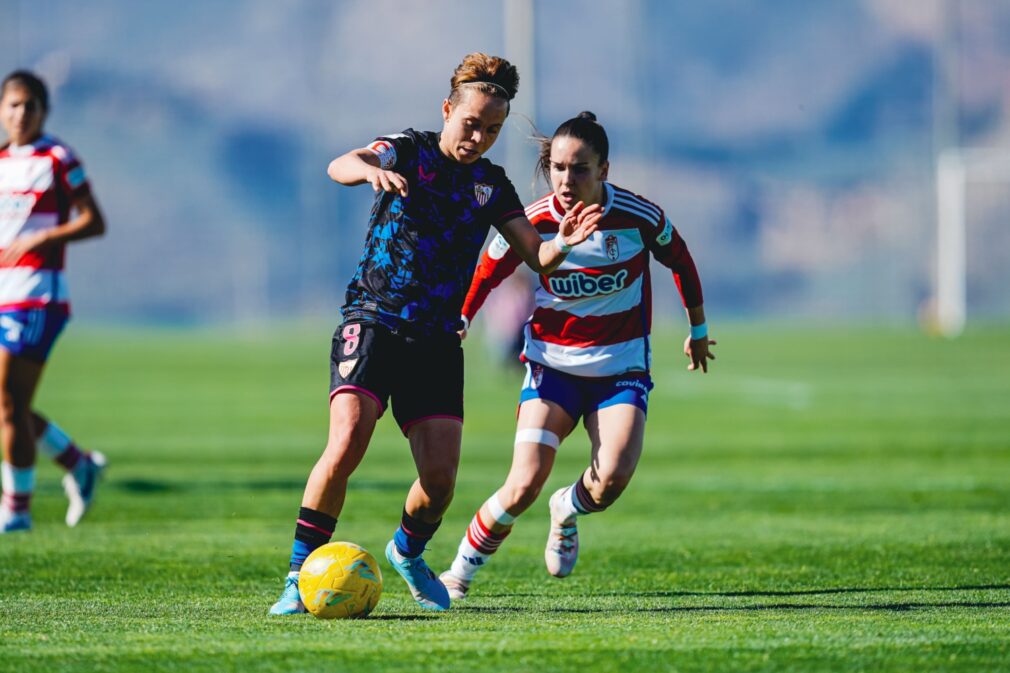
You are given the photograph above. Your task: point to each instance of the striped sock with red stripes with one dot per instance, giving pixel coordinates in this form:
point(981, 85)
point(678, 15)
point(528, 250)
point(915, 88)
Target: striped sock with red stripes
point(482, 539)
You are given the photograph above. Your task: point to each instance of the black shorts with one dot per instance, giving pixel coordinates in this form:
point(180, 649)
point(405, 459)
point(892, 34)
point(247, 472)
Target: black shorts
point(424, 377)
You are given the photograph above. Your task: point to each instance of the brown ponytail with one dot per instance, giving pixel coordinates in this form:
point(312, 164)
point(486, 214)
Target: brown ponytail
point(491, 75)
point(584, 127)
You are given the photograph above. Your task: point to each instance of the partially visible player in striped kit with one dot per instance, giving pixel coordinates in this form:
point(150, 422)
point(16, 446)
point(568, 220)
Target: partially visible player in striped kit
point(45, 203)
point(587, 348)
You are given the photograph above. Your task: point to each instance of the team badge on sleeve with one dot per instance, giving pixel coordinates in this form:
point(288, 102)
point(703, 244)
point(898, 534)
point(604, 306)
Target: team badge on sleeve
point(666, 235)
point(613, 252)
point(386, 153)
point(76, 177)
point(482, 192)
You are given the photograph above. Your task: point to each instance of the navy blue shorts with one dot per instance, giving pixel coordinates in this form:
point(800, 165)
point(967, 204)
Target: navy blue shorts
point(423, 378)
point(580, 395)
point(31, 332)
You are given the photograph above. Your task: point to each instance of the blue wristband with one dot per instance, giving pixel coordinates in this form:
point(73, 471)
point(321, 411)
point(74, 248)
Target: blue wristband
point(699, 331)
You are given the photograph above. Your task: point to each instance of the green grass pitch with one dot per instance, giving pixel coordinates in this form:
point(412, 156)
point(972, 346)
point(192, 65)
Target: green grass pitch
point(823, 500)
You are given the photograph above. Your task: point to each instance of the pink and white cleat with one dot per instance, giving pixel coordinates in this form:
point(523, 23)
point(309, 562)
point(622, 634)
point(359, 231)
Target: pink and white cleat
point(456, 586)
point(563, 539)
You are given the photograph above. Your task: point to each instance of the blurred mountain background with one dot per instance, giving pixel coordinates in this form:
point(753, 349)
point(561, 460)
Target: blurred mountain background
point(792, 143)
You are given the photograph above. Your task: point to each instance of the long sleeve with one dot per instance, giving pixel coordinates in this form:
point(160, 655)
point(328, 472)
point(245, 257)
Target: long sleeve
point(497, 263)
point(671, 251)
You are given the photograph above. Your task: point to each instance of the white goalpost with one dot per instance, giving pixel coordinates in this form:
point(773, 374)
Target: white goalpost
point(956, 168)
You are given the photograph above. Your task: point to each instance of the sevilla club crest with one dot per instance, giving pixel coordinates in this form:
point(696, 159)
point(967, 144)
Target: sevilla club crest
point(613, 252)
point(346, 367)
point(482, 192)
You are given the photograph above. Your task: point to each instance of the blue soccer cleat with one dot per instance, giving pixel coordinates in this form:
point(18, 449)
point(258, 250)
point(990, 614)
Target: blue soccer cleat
point(426, 589)
point(290, 602)
point(79, 485)
point(12, 522)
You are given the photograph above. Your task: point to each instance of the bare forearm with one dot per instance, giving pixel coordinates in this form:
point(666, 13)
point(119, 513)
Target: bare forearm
point(352, 168)
point(88, 224)
point(540, 255)
point(696, 314)
point(549, 257)
point(79, 228)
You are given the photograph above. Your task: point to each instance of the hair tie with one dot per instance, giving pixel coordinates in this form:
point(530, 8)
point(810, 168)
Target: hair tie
point(494, 84)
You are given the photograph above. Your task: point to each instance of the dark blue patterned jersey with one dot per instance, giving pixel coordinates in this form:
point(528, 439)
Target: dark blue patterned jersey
point(422, 249)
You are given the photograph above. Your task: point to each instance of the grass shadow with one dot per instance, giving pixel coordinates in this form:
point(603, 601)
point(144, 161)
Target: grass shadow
point(756, 593)
point(885, 607)
point(158, 487)
point(805, 592)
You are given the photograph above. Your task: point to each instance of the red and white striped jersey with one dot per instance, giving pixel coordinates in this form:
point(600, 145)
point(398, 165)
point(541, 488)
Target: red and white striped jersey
point(594, 311)
point(38, 184)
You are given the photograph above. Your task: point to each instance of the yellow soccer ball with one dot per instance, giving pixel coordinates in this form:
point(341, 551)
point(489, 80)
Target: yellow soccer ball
point(340, 580)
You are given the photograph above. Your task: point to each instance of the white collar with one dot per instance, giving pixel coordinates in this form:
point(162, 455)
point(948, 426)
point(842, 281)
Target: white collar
point(25, 150)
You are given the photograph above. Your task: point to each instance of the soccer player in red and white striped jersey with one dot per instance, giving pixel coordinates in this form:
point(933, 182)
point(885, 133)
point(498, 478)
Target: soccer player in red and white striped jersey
point(45, 203)
point(586, 348)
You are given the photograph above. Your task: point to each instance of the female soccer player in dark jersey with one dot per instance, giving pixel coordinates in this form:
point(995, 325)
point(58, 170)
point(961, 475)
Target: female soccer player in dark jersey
point(436, 199)
point(586, 351)
point(45, 203)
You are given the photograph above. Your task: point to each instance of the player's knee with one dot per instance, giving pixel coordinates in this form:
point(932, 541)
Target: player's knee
point(333, 466)
point(12, 408)
point(340, 458)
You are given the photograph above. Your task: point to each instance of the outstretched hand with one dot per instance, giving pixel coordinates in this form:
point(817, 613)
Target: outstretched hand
point(386, 181)
point(580, 222)
point(697, 350)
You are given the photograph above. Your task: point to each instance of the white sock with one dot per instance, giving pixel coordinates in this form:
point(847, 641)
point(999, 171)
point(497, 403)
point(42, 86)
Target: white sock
point(397, 556)
point(479, 543)
point(18, 484)
point(565, 506)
